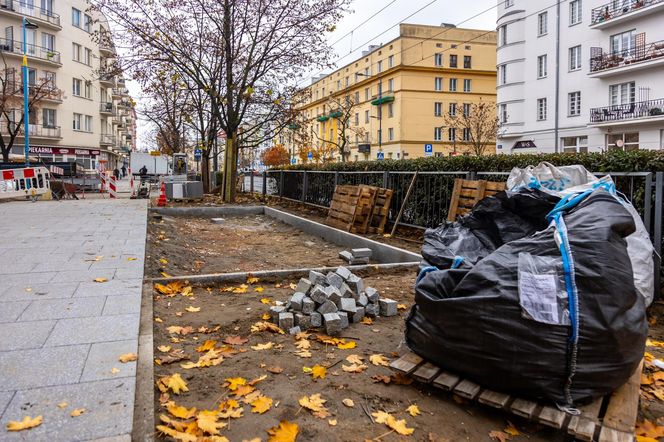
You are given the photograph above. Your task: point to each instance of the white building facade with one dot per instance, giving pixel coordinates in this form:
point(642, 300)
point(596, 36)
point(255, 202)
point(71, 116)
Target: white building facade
point(87, 114)
point(580, 76)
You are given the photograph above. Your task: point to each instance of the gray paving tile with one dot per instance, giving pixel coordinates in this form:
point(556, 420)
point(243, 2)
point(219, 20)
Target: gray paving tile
point(38, 291)
point(108, 405)
point(15, 267)
point(111, 288)
point(28, 278)
point(83, 275)
point(103, 357)
point(94, 329)
point(5, 397)
point(23, 335)
point(58, 266)
point(10, 311)
point(125, 273)
point(63, 308)
point(42, 367)
point(122, 304)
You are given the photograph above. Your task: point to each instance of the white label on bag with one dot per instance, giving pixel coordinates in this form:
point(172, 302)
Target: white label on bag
point(537, 296)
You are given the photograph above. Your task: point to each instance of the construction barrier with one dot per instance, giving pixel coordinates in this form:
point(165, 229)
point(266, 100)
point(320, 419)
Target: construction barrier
point(102, 180)
point(27, 181)
point(112, 187)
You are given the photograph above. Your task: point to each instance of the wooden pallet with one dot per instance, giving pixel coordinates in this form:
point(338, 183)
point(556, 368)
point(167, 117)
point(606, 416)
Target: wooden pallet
point(365, 204)
point(467, 193)
point(342, 209)
point(381, 211)
point(608, 419)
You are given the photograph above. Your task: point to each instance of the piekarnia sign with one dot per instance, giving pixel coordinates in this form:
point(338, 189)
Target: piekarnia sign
point(62, 151)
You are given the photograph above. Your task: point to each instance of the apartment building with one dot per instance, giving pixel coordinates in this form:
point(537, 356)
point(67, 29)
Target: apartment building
point(400, 92)
point(82, 110)
point(580, 76)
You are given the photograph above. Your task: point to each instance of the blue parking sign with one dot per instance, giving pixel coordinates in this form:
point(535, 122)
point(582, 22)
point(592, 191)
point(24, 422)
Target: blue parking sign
point(428, 150)
point(310, 155)
point(380, 155)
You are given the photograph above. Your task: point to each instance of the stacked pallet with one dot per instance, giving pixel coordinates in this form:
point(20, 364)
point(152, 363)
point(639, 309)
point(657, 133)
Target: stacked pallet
point(360, 209)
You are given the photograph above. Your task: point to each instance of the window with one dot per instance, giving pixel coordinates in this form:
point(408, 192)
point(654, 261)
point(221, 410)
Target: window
point(453, 109)
point(624, 93)
point(357, 97)
point(76, 51)
point(47, 6)
point(451, 134)
point(575, 58)
point(541, 109)
point(32, 77)
point(347, 82)
point(467, 85)
point(390, 61)
point(541, 66)
point(466, 134)
point(502, 35)
point(623, 43)
point(390, 85)
point(466, 109)
point(438, 83)
point(357, 118)
point(338, 85)
point(48, 41)
point(366, 94)
point(390, 134)
point(75, 17)
point(380, 88)
point(77, 121)
point(87, 24)
point(624, 141)
point(575, 12)
point(48, 117)
point(76, 87)
point(390, 110)
point(379, 135)
point(88, 123)
point(502, 113)
point(574, 144)
point(380, 66)
point(438, 134)
point(574, 104)
point(439, 60)
point(453, 84)
point(467, 62)
point(542, 23)
point(502, 74)
point(88, 89)
point(50, 79)
point(87, 59)
point(453, 60)
point(366, 117)
point(438, 109)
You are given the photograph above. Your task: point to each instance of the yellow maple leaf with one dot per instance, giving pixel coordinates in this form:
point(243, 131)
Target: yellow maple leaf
point(164, 290)
point(62, 405)
point(207, 421)
point(316, 404)
point(293, 286)
point(318, 371)
point(303, 344)
point(284, 432)
point(242, 289)
point(187, 291)
point(354, 368)
point(163, 261)
point(261, 405)
point(366, 320)
point(348, 402)
point(244, 390)
point(191, 309)
point(266, 300)
point(164, 348)
point(257, 380)
point(649, 429)
point(355, 359)
point(266, 317)
point(178, 435)
point(346, 345)
point(180, 412)
point(413, 410)
point(234, 414)
point(164, 274)
point(397, 425)
point(511, 429)
point(234, 383)
point(115, 370)
point(402, 306)
point(100, 279)
point(379, 359)
point(266, 346)
point(131, 259)
point(209, 359)
point(176, 383)
point(252, 280)
point(206, 346)
point(499, 436)
point(332, 422)
point(230, 404)
point(303, 354)
point(77, 412)
point(159, 320)
point(259, 290)
point(25, 424)
point(127, 357)
point(266, 326)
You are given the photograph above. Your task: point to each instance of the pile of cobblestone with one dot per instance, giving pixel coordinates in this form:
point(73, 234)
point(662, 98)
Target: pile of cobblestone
point(333, 301)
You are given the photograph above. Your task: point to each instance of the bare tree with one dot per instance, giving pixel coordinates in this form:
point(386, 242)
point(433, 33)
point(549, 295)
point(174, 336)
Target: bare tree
point(477, 124)
point(342, 109)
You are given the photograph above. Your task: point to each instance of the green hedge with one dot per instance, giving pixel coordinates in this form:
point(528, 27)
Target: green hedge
point(618, 161)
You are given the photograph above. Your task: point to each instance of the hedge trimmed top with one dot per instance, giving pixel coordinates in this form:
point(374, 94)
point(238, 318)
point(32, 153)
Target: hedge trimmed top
point(617, 161)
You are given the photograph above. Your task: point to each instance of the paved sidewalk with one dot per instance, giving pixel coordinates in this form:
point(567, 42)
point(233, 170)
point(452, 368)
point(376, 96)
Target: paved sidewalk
point(60, 332)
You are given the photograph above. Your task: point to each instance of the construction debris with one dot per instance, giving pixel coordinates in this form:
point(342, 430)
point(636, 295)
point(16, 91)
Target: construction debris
point(356, 256)
point(333, 301)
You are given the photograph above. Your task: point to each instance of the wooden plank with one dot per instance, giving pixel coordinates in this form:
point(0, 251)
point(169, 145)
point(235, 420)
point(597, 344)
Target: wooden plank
point(612, 435)
point(406, 363)
point(552, 417)
point(446, 381)
point(454, 200)
point(624, 404)
point(494, 399)
point(467, 389)
point(426, 372)
point(523, 408)
point(495, 186)
point(582, 428)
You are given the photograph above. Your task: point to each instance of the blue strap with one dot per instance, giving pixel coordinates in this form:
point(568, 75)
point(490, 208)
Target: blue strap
point(458, 260)
point(424, 272)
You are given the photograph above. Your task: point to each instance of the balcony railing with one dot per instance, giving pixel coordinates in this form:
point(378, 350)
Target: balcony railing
point(107, 140)
point(625, 112)
point(43, 92)
point(600, 61)
point(35, 130)
point(617, 9)
point(106, 77)
point(31, 11)
point(40, 52)
point(107, 108)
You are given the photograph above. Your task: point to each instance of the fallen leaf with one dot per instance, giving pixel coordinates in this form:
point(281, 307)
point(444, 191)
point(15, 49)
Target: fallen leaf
point(649, 429)
point(235, 340)
point(207, 421)
point(175, 383)
point(266, 300)
point(233, 383)
point(355, 359)
point(499, 436)
point(206, 346)
point(354, 368)
point(180, 412)
point(244, 390)
point(259, 290)
point(177, 330)
point(164, 348)
point(511, 429)
point(284, 432)
point(266, 326)
point(293, 286)
point(26, 423)
point(346, 345)
point(62, 405)
point(257, 380)
point(401, 379)
point(397, 425)
point(191, 309)
point(382, 378)
point(261, 405)
point(115, 370)
point(303, 344)
point(318, 372)
point(348, 402)
point(77, 412)
point(232, 414)
point(332, 422)
point(159, 320)
point(178, 435)
point(266, 346)
point(163, 261)
point(252, 280)
point(100, 279)
point(413, 410)
point(275, 370)
point(131, 259)
point(127, 357)
point(303, 354)
point(315, 403)
point(379, 359)
point(209, 359)
point(366, 320)
point(266, 316)
point(230, 404)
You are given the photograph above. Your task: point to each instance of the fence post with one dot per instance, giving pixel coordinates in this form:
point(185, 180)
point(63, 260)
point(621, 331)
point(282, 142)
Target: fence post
point(264, 183)
point(657, 237)
point(305, 186)
point(251, 183)
point(281, 183)
point(336, 178)
point(386, 179)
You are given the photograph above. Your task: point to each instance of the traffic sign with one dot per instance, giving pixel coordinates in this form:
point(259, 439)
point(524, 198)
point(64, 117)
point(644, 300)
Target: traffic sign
point(428, 150)
point(293, 161)
point(380, 155)
point(155, 153)
point(310, 155)
point(198, 153)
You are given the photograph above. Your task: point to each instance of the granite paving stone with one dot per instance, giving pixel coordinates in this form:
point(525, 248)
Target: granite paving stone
point(103, 357)
point(94, 329)
point(24, 335)
point(110, 288)
point(38, 291)
point(28, 278)
point(63, 308)
point(121, 304)
point(83, 275)
point(124, 273)
point(10, 311)
point(5, 397)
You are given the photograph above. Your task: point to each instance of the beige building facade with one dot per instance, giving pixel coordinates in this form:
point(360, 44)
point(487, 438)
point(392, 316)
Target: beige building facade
point(400, 92)
point(85, 113)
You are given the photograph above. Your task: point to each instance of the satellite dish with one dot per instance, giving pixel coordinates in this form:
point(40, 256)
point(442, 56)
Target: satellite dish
point(620, 143)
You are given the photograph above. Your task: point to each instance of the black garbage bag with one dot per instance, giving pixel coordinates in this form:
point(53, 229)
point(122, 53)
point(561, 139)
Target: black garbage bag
point(539, 317)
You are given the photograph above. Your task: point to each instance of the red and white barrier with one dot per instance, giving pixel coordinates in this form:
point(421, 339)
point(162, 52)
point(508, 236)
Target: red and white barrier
point(28, 181)
point(102, 181)
point(131, 184)
point(112, 187)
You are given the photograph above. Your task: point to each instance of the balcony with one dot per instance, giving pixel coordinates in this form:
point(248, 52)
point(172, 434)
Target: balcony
point(119, 92)
point(106, 78)
point(107, 140)
point(382, 100)
point(36, 131)
point(619, 12)
point(627, 114)
point(643, 56)
point(107, 108)
point(34, 52)
point(42, 92)
point(42, 17)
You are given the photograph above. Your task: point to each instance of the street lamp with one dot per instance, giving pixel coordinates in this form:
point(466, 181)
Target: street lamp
point(380, 107)
point(26, 24)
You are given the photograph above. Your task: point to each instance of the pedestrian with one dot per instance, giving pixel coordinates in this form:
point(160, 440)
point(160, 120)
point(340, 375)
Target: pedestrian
point(143, 171)
point(116, 173)
point(124, 171)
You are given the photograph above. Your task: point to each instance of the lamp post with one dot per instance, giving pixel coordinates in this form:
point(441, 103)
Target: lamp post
point(26, 24)
point(380, 108)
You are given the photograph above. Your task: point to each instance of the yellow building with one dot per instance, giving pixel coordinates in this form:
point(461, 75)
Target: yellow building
point(399, 93)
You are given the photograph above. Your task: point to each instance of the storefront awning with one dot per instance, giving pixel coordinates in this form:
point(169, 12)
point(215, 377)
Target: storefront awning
point(524, 145)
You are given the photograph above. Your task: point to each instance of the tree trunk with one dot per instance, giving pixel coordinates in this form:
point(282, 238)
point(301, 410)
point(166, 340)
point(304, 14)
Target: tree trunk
point(230, 169)
point(205, 173)
point(5, 156)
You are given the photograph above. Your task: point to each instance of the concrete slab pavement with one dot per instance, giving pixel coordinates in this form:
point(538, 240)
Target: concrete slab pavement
point(61, 333)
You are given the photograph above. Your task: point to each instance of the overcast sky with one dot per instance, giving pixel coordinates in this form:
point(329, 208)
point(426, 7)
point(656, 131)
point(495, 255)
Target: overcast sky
point(384, 27)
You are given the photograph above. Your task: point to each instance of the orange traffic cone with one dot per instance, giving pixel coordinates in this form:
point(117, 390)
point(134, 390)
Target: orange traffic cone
point(161, 201)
